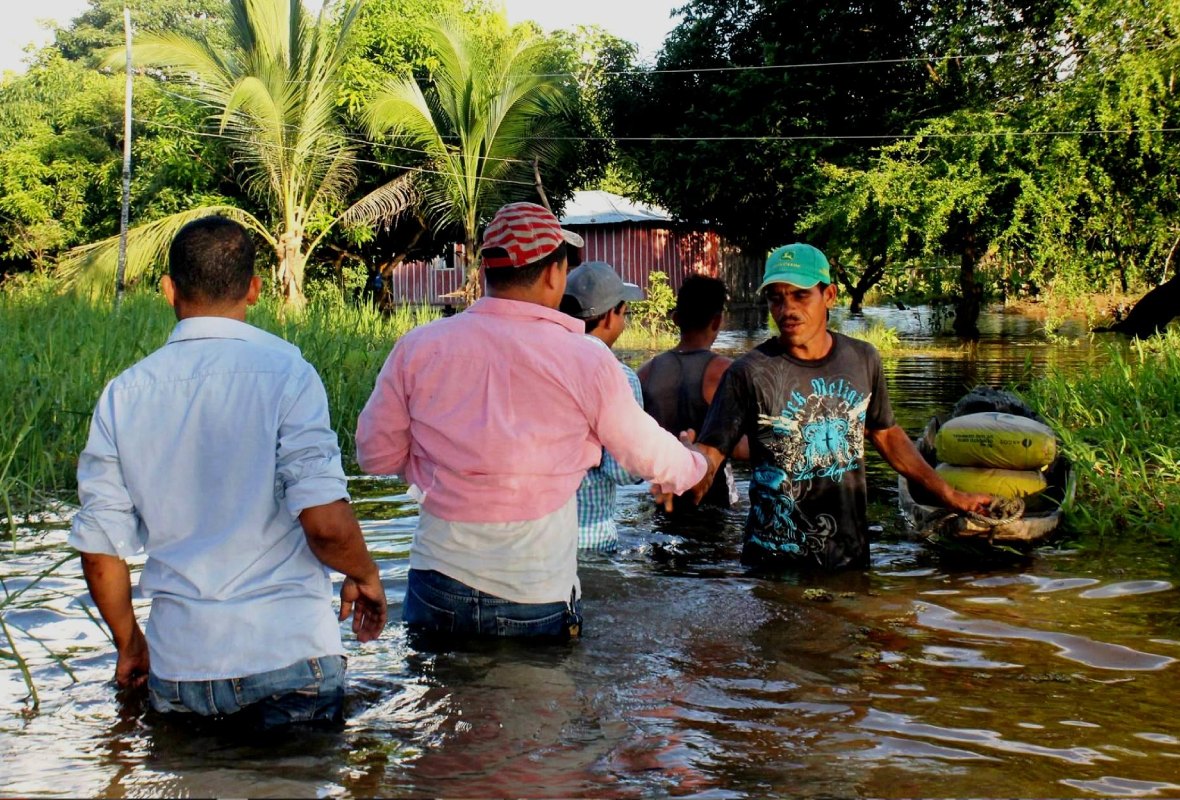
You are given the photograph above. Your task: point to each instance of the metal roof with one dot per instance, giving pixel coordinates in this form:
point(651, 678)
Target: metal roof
point(604, 208)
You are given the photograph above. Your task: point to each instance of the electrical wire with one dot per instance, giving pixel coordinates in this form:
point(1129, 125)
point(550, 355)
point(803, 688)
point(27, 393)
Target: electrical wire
point(354, 160)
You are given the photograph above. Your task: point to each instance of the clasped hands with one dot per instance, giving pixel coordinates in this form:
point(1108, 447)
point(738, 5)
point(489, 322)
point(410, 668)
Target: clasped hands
point(713, 458)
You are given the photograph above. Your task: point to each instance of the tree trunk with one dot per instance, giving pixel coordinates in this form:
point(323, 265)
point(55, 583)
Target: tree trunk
point(967, 311)
point(1121, 261)
point(867, 280)
point(471, 287)
point(291, 264)
point(856, 304)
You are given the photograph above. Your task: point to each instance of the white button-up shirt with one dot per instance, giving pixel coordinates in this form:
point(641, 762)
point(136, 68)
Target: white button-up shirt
point(204, 454)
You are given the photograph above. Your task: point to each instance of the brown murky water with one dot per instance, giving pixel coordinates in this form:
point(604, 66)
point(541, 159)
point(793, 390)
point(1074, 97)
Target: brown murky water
point(1053, 678)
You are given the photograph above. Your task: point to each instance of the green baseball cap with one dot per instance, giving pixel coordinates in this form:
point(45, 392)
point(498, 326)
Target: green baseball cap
point(797, 264)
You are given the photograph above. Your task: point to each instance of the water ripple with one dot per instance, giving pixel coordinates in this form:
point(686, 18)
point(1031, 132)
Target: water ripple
point(1100, 655)
point(905, 725)
point(1122, 787)
point(1126, 589)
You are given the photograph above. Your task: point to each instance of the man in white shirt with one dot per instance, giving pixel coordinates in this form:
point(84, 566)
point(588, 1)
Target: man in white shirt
point(214, 455)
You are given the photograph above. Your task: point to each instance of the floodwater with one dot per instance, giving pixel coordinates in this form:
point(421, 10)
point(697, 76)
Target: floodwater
point(1050, 678)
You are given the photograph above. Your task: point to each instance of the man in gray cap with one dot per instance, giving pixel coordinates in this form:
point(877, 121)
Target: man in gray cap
point(595, 294)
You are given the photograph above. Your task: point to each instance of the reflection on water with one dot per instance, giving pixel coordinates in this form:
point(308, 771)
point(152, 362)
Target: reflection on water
point(1055, 678)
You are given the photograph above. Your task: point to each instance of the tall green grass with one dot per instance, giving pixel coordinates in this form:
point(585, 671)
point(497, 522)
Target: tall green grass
point(57, 351)
point(882, 337)
point(1120, 424)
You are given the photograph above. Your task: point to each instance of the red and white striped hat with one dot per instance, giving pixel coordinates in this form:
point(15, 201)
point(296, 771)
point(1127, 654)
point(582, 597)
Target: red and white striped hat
point(523, 233)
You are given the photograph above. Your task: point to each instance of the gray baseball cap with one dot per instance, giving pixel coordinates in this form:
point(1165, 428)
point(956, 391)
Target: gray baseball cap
point(597, 288)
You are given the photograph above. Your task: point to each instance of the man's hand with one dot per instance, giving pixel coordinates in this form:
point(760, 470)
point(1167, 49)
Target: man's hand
point(131, 669)
point(335, 538)
point(367, 605)
point(663, 499)
point(109, 580)
point(713, 458)
point(968, 502)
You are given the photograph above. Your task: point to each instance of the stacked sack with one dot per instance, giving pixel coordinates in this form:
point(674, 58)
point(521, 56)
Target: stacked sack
point(1003, 455)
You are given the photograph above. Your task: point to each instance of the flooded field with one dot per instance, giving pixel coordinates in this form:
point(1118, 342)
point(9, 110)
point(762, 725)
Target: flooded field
point(1049, 678)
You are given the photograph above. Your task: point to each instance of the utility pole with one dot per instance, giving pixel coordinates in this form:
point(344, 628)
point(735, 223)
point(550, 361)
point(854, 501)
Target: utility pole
point(125, 215)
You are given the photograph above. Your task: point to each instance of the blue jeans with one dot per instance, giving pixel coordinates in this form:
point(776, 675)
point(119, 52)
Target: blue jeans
point(438, 604)
point(306, 691)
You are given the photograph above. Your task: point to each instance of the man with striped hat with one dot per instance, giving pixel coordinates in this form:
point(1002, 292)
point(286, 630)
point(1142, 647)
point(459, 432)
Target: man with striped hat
point(493, 417)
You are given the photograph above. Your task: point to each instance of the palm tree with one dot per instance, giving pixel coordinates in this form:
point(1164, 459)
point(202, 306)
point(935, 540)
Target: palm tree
point(482, 121)
point(273, 90)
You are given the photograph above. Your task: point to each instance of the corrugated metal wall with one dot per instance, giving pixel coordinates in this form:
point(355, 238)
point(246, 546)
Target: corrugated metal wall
point(634, 249)
point(417, 282)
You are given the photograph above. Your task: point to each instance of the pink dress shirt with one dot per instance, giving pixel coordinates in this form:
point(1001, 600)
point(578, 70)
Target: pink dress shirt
point(495, 415)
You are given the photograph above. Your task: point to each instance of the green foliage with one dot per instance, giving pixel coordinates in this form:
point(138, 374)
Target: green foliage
point(1120, 425)
point(485, 115)
point(390, 39)
point(584, 61)
point(273, 87)
point(757, 189)
point(61, 349)
point(100, 26)
point(60, 158)
point(884, 338)
point(654, 315)
point(1049, 164)
point(392, 42)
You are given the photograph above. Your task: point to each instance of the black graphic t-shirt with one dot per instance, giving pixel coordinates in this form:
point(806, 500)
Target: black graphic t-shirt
point(806, 422)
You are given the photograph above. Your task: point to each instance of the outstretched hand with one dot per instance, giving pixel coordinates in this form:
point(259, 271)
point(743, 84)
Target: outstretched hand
point(365, 602)
point(713, 458)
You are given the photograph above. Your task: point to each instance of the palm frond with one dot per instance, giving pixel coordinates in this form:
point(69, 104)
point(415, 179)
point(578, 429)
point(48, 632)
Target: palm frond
point(328, 175)
point(384, 204)
point(193, 61)
point(252, 98)
point(91, 268)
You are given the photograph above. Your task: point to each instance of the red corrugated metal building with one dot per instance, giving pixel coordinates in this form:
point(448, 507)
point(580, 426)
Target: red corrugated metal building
point(416, 282)
point(636, 239)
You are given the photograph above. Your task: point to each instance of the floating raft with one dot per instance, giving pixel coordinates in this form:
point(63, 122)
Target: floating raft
point(937, 524)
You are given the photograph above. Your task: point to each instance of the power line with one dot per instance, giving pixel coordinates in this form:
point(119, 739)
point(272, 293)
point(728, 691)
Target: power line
point(354, 160)
point(354, 139)
point(826, 64)
point(705, 138)
point(855, 137)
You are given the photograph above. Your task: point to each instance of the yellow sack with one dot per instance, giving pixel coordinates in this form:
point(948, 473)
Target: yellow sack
point(1007, 483)
point(992, 439)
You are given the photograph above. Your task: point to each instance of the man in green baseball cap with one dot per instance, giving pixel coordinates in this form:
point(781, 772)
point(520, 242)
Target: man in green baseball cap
point(807, 400)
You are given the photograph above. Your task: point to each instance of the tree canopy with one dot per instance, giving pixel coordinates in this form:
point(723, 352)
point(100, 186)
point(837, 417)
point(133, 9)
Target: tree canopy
point(1023, 144)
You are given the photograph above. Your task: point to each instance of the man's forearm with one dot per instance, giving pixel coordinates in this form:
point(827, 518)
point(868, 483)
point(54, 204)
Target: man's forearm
point(896, 448)
point(335, 538)
point(109, 580)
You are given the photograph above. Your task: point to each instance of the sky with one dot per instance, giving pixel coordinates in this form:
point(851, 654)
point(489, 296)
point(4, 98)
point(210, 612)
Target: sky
point(645, 22)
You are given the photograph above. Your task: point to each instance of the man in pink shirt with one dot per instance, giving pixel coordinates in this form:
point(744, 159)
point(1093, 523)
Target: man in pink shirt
point(493, 417)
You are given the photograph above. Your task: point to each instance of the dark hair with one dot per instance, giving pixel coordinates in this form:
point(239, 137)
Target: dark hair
point(571, 306)
point(516, 277)
point(211, 259)
point(699, 300)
